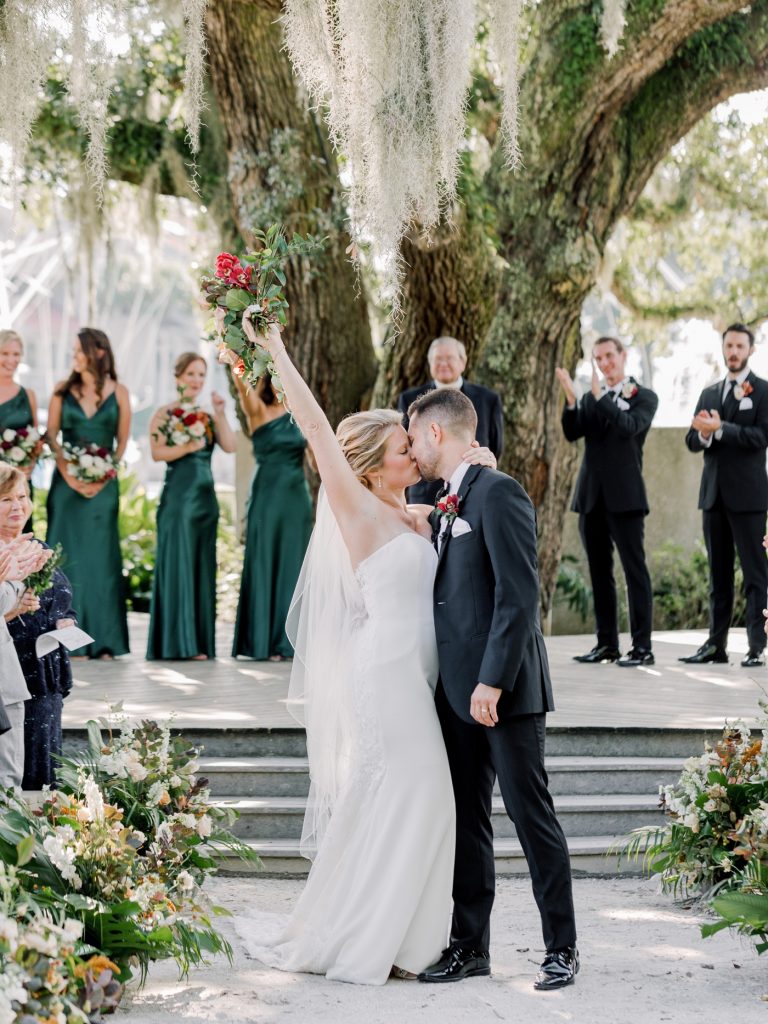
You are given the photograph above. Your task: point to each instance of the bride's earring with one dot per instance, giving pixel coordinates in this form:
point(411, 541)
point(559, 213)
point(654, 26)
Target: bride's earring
point(380, 483)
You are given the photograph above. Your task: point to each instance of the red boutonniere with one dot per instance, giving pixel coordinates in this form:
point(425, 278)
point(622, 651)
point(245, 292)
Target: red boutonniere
point(742, 390)
point(448, 507)
point(629, 390)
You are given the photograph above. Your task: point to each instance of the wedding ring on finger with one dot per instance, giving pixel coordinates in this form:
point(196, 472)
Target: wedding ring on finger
point(486, 711)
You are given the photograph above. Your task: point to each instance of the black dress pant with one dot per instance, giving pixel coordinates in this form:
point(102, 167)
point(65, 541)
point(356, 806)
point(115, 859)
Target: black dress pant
point(600, 530)
point(514, 751)
point(724, 532)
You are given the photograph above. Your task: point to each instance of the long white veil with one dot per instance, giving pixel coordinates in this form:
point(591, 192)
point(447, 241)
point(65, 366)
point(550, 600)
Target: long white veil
point(325, 606)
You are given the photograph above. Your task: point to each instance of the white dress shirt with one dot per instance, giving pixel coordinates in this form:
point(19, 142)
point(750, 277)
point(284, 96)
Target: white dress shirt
point(738, 379)
point(453, 488)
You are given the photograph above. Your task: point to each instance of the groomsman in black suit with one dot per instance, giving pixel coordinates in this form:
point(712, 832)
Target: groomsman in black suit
point(447, 360)
point(730, 426)
point(614, 419)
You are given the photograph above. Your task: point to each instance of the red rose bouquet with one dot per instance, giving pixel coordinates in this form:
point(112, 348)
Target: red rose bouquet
point(183, 424)
point(252, 283)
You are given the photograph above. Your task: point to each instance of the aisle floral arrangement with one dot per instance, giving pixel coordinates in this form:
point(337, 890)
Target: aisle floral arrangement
point(715, 845)
point(109, 871)
point(90, 463)
point(20, 448)
point(254, 284)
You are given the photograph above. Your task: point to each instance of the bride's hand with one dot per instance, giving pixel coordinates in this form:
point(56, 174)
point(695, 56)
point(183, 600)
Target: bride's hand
point(271, 341)
point(479, 456)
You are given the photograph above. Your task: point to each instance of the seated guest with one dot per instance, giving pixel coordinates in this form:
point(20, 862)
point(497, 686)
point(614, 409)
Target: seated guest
point(447, 358)
point(17, 559)
point(48, 679)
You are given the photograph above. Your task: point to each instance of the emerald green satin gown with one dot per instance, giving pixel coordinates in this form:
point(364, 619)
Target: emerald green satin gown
point(277, 533)
point(87, 530)
point(183, 613)
point(15, 414)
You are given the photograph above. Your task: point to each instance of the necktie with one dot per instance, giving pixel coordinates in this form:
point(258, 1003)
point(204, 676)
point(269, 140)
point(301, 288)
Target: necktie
point(729, 402)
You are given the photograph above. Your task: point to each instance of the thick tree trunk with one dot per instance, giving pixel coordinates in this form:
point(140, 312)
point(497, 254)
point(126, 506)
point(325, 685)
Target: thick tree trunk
point(281, 168)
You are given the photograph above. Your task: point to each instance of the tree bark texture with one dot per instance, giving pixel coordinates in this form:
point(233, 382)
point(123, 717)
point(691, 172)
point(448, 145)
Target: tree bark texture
point(281, 168)
point(592, 131)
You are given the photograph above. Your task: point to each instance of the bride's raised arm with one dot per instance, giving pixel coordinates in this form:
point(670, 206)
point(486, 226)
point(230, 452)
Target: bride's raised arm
point(355, 509)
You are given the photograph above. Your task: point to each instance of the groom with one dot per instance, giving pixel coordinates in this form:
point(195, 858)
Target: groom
point(494, 690)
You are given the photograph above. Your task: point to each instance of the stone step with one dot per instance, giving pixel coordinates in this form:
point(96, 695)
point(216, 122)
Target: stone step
point(565, 741)
point(590, 857)
point(288, 776)
point(584, 815)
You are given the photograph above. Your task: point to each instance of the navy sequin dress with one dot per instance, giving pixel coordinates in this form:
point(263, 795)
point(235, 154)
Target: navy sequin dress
point(49, 680)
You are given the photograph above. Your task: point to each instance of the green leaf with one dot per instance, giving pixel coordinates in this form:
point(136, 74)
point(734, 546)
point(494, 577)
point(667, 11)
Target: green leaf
point(238, 299)
point(25, 850)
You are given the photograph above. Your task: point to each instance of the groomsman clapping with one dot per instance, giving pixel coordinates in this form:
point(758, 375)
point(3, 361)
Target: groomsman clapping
point(614, 419)
point(730, 426)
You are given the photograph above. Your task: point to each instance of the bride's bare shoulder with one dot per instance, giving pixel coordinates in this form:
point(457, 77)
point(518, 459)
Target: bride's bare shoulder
point(419, 516)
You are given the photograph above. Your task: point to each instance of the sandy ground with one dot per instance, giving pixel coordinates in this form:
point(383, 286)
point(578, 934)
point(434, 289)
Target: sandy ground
point(643, 960)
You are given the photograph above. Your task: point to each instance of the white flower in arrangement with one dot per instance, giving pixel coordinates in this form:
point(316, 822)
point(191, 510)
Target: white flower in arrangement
point(87, 461)
point(16, 454)
point(12, 990)
point(691, 821)
point(204, 826)
point(185, 881)
point(164, 832)
point(197, 429)
point(94, 800)
point(177, 438)
point(9, 931)
point(158, 794)
point(62, 857)
point(9, 435)
point(99, 465)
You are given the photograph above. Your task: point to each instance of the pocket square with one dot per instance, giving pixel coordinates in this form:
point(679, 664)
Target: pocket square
point(745, 403)
point(460, 527)
point(622, 404)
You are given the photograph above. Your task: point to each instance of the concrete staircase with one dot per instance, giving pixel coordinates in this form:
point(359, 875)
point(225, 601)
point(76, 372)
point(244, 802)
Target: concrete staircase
point(604, 781)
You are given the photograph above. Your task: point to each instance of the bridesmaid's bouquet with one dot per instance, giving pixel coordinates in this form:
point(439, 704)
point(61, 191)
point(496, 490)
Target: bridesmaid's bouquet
point(91, 464)
point(20, 447)
point(183, 425)
point(253, 283)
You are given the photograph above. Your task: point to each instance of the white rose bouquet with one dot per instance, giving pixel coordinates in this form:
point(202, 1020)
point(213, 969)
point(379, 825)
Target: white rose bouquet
point(91, 464)
point(20, 447)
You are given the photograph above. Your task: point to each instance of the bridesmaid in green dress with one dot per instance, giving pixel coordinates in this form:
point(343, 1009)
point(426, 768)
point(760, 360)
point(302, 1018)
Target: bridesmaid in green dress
point(18, 405)
point(278, 526)
point(183, 612)
point(91, 407)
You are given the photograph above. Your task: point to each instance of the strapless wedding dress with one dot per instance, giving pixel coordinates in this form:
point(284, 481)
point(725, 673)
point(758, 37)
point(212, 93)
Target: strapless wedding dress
point(379, 891)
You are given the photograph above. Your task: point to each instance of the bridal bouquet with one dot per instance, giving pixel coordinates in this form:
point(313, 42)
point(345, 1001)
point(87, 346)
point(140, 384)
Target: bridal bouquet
point(184, 424)
point(20, 447)
point(253, 283)
point(91, 464)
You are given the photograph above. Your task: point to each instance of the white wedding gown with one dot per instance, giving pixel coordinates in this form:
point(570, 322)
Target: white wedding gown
point(379, 891)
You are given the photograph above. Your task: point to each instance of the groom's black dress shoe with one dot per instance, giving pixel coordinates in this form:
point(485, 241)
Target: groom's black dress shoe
point(559, 968)
point(598, 655)
point(753, 659)
point(456, 963)
point(637, 656)
point(707, 654)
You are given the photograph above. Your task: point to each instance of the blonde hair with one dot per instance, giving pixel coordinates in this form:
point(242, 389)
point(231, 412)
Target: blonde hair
point(10, 478)
point(9, 335)
point(363, 438)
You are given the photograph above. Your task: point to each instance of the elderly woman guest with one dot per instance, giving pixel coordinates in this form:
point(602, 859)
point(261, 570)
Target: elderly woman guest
point(91, 407)
point(48, 679)
point(18, 558)
point(278, 525)
point(183, 614)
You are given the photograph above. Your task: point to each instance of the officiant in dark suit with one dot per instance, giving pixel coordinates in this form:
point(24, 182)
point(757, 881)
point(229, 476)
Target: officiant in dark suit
point(730, 426)
point(614, 419)
point(447, 358)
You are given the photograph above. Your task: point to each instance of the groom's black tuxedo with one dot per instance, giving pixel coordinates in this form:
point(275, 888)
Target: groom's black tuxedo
point(487, 626)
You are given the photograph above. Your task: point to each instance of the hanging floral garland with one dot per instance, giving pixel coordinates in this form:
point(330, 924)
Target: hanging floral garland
point(612, 25)
point(83, 29)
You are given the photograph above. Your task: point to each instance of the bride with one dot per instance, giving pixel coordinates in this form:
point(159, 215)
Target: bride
point(380, 816)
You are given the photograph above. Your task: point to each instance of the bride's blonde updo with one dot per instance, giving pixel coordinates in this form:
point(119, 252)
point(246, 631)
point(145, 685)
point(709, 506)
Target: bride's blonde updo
point(363, 438)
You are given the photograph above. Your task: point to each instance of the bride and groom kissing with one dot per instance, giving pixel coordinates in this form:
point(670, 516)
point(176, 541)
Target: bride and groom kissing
point(421, 676)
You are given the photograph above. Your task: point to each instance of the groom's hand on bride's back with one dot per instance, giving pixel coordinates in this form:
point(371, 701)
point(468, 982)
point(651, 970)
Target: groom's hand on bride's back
point(482, 704)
